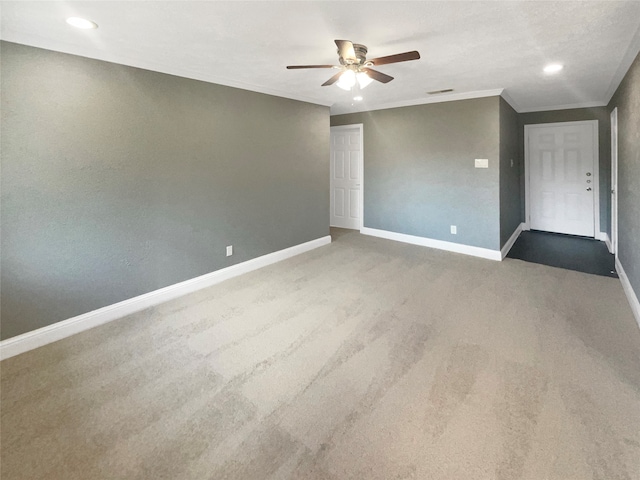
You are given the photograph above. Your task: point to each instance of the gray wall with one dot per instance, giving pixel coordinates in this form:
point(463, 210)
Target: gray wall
point(627, 99)
point(118, 181)
point(419, 173)
point(510, 173)
point(604, 145)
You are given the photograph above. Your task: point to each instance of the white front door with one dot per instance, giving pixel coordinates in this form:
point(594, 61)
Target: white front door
point(562, 177)
point(346, 177)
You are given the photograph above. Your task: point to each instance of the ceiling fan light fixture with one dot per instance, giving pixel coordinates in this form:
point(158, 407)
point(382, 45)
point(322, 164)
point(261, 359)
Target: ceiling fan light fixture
point(347, 80)
point(363, 79)
point(354, 66)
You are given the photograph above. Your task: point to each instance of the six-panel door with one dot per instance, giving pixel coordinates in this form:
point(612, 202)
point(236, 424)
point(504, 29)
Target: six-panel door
point(562, 178)
point(346, 178)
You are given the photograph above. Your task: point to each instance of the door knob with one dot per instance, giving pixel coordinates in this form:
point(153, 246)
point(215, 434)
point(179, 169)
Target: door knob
point(589, 189)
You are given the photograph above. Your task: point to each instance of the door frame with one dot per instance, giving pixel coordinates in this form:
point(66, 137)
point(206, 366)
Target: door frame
point(596, 171)
point(613, 244)
point(360, 127)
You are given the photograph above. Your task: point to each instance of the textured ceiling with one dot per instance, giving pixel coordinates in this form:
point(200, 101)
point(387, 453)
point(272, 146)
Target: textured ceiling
point(475, 48)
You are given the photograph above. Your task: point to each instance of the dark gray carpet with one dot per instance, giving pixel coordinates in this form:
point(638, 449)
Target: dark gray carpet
point(565, 251)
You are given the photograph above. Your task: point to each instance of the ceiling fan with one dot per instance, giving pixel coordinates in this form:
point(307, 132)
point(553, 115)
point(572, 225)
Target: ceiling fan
point(355, 68)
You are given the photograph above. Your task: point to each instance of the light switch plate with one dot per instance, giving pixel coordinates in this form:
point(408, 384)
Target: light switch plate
point(482, 163)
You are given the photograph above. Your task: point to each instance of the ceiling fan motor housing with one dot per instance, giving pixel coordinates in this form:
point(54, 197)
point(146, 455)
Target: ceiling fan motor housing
point(361, 56)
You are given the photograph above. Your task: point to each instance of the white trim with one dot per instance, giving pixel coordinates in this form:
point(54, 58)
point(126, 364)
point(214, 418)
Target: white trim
point(169, 69)
point(527, 207)
point(614, 181)
point(341, 109)
point(628, 290)
point(505, 95)
point(512, 239)
point(431, 243)
point(360, 127)
point(607, 241)
point(624, 65)
point(596, 169)
point(567, 106)
point(52, 333)
point(88, 52)
point(604, 237)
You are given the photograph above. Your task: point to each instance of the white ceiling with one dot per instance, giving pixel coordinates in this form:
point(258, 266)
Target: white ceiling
point(476, 47)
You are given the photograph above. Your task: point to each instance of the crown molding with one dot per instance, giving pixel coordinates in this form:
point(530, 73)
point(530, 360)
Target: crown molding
point(507, 98)
point(628, 58)
point(341, 110)
point(103, 56)
point(563, 107)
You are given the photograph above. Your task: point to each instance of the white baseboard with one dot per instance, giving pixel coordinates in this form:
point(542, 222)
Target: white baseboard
point(512, 239)
point(628, 290)
point(604, 236)
point(52, 333)
point(431, 243)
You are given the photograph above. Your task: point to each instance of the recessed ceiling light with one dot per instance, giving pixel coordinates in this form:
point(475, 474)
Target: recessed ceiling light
point(553, 68)
point(81, 23)
point(358, 98)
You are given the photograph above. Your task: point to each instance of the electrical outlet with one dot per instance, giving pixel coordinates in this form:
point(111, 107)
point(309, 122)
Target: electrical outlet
point(229, 250)
point(482, 163)
point(454, 230)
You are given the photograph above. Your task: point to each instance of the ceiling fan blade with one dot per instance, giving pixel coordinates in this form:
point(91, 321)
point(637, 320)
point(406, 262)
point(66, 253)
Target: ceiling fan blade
point(294, 67)
point(345, 50)
point(333, 79)
point(400, 57)
point(379, 76)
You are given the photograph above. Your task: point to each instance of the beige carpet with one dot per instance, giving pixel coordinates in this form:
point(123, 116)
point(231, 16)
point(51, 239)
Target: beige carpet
point(364, 359)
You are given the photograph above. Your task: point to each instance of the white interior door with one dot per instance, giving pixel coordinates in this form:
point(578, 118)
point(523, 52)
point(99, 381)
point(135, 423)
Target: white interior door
point(614, 181)
point(346, 177)
point(562, 177)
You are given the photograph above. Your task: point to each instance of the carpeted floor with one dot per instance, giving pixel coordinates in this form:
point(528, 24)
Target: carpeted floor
point(364, 359)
